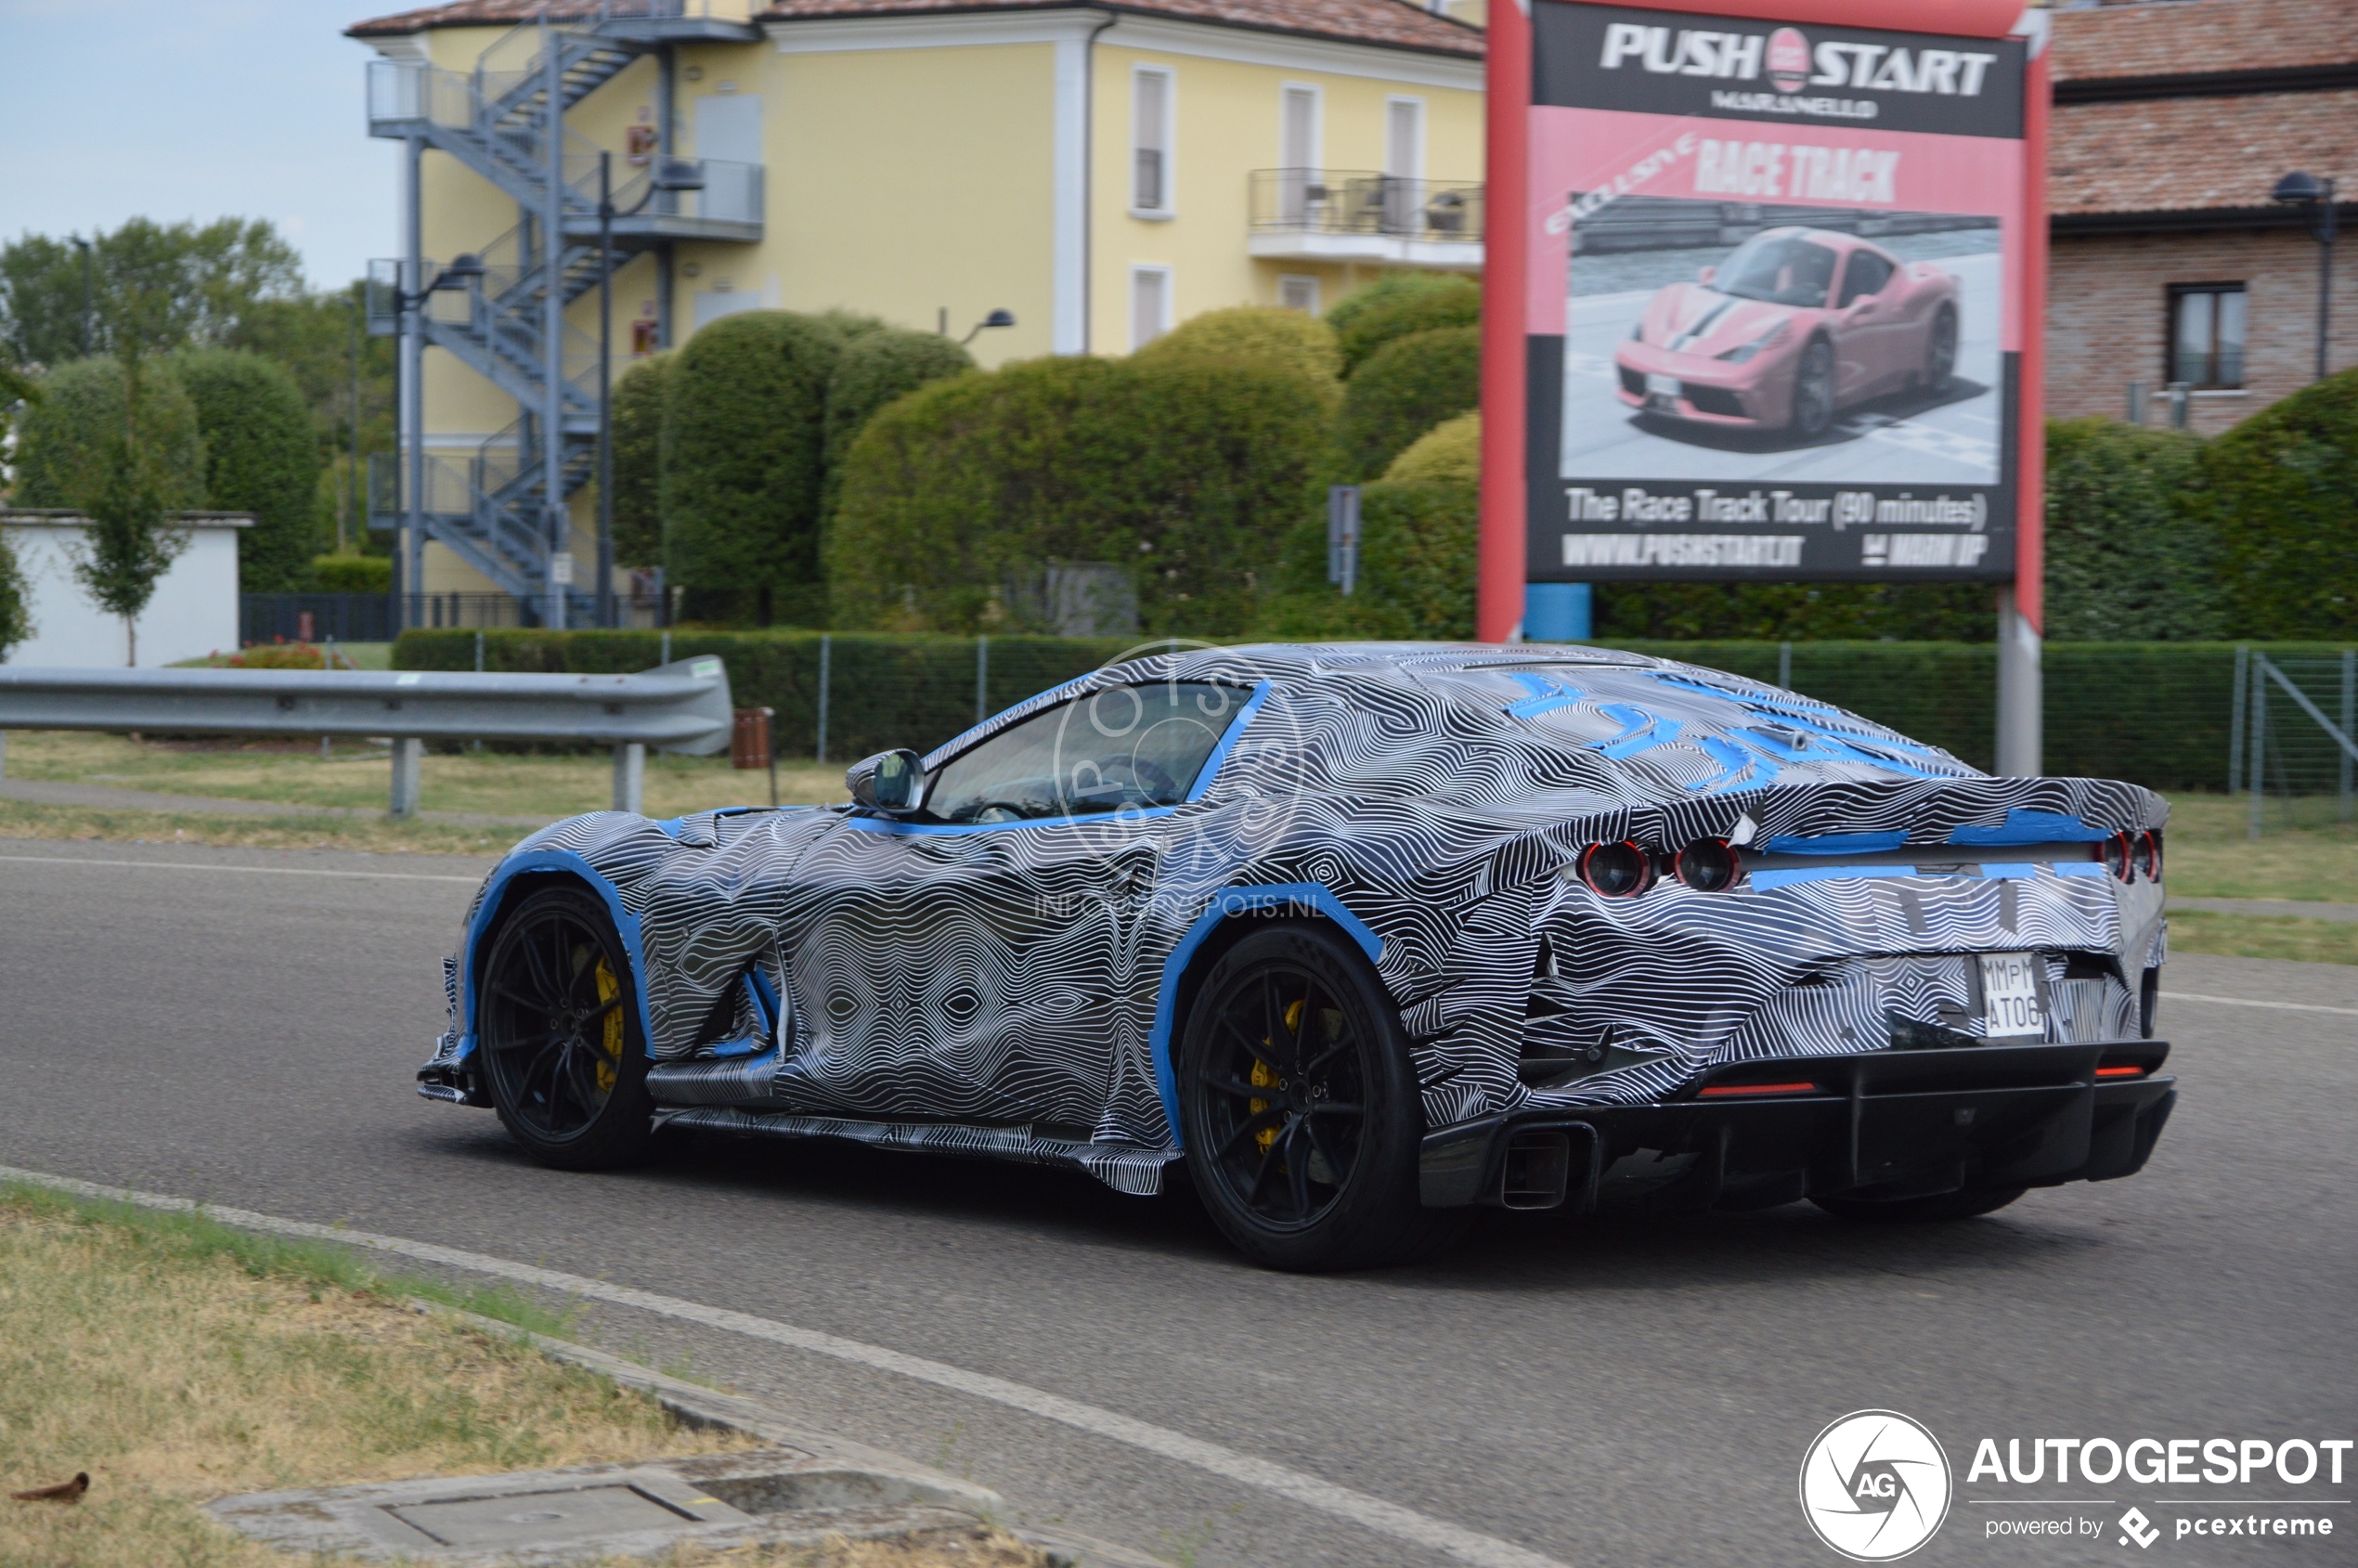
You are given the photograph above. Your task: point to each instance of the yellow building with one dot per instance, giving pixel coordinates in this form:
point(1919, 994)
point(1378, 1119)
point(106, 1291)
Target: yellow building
point(1101, 172)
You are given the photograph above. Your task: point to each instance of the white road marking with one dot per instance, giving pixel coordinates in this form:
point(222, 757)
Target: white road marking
point(2254, 1002)
point(1370, 1512)
point(251, 870)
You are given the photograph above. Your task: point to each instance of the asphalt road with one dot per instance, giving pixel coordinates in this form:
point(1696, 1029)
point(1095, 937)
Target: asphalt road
point(1611, 1394)
point(1904, 439)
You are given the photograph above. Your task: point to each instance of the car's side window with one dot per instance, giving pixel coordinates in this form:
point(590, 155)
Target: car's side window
point(1866, 275)
point(1119, 749)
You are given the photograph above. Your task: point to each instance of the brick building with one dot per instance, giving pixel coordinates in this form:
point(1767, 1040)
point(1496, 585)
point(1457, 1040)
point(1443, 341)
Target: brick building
point(2173, 120)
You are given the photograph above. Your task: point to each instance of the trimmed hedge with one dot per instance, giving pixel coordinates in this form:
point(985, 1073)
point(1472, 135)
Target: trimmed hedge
point(2124, 558)
point(638, 462)
point(2155, 713)
point(1397, 305)
point(1187, 471)
point(878, 367)
point(743, 456)
point(67, 441)
point(1405, 388)
point(260, 456)
point(1451, 453)
point(2283, 492)
point(1288, 338)
point(351, 574)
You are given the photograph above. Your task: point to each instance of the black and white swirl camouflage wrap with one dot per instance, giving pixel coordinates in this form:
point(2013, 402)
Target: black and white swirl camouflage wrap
point(1012, 989)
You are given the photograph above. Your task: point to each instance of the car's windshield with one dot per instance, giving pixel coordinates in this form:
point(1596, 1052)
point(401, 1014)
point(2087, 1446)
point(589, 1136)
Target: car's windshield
point(1120, 748)
point(1780, 269)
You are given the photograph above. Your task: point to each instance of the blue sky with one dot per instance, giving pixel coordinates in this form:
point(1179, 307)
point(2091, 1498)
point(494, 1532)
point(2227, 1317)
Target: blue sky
point(195, 109)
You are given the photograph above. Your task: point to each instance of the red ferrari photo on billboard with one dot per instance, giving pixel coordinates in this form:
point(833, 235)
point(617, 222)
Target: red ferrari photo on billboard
point(1769, 321)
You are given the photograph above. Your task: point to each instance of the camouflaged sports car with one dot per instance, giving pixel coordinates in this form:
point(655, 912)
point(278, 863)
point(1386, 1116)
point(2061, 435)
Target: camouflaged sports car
point(1364, 936)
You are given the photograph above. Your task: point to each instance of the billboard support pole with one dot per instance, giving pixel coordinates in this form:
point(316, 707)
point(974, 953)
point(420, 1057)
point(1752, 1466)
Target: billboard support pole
point(2022, 604)
point(1500, 581)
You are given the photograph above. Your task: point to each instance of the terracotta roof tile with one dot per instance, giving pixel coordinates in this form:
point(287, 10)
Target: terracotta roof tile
point(1392, 24)
point(2175, 37)
point(2190, 154)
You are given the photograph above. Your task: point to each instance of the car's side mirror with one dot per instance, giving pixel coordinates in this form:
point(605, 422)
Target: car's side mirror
point(1707, 275)
point(891, 780)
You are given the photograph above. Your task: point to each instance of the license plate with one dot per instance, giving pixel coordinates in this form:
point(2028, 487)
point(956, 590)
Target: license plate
point(1660, 385)
point(2010, 994)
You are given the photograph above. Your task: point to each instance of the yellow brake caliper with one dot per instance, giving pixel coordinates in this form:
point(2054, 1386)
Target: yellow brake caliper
point(1265, 1077)
point(610, 1042)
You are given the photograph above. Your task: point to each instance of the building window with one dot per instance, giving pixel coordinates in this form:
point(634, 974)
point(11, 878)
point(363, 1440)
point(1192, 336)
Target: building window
point(1298, 117)
point(1403, 139)
point(1150, 138)
point(2207, 334)
point(1296, 292)
point(1149, 304)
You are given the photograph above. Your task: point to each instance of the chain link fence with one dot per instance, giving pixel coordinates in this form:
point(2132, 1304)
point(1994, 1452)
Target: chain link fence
point(2173, 715)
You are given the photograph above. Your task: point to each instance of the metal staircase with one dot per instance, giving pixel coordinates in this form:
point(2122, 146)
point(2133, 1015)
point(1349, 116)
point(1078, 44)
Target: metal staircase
point(501, 511)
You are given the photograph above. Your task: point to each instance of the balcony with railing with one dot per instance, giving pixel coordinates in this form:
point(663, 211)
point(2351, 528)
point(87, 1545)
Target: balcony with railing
point(1359, 215)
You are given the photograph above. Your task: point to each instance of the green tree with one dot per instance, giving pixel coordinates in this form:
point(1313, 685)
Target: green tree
point(743, 458)
point(876, 367)
point(1397, 305)
point(638, 462)
point(1190, 471)
point(139, 475)
point(260, 457)
point(2131, 556)
point(16, 600)
point(1405, 388)
point(2282, 490)
point(152, 288)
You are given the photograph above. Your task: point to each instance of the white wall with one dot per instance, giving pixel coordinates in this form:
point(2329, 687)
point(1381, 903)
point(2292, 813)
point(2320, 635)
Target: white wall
point(194, 611)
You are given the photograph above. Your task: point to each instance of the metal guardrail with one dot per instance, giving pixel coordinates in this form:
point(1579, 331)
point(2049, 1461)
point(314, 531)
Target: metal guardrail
point(682, 707)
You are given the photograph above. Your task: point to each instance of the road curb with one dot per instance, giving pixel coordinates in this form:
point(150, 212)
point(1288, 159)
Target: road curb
point(693, 1405)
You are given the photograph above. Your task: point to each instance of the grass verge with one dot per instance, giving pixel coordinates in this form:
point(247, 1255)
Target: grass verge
point(380, 836)
point(357, 775)
point(2263, 935)
point(176, 1359)
point(2213, 856)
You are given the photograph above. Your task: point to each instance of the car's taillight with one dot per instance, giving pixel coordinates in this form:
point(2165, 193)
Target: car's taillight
point(2126, 1070)
point(2146, 857)
point(1748, 1091)
point(1709, 866)
point(2120, 857)
point(1620, 870)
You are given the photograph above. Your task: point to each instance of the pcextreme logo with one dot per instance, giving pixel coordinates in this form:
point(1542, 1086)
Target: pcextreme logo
point(1875, 1485)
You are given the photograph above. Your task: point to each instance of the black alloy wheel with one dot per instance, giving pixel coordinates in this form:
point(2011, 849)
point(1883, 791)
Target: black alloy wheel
point(557, 1021)
point(1963, 1204)
point(1300, 1110)
point(1813, 389)
point(1940, 351)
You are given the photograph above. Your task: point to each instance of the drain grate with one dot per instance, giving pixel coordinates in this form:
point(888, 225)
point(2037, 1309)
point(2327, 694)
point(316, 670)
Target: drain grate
point(527, 1518)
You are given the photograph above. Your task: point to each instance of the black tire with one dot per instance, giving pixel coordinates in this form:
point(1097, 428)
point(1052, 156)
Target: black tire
point(1964, 1204)
point(557, 1024)
point(1813, 390)
point(1299, 1106)
point(1940, 352)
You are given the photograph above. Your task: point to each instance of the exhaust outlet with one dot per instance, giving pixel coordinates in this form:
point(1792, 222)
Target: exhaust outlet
point(1536, 1170)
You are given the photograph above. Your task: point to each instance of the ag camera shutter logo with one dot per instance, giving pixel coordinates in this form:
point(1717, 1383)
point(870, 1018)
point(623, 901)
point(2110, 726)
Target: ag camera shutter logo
point(1875, 1485)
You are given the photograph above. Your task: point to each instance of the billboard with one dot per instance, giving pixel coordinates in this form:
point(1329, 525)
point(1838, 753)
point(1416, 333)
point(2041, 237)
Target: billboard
point(1772, 299)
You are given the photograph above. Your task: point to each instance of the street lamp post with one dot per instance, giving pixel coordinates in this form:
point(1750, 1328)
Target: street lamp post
point(463, 271)
point(2316, 196)
point(668, 175)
